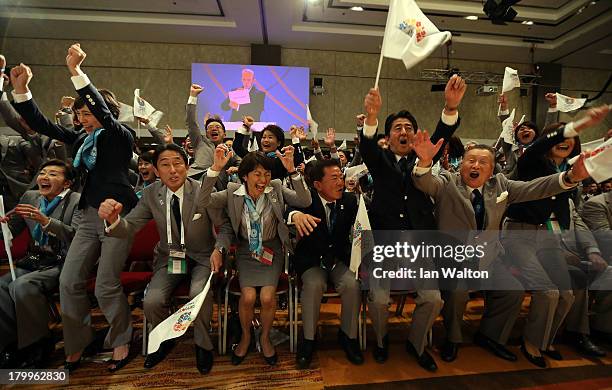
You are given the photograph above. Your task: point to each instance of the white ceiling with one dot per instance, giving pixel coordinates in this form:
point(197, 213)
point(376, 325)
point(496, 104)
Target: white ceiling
point(569, 32)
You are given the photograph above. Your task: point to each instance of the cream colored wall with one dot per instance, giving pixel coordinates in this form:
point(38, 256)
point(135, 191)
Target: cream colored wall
point(163, 73)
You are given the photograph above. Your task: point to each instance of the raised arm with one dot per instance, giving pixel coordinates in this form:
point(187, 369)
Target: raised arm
point(90, 95)
point(27, 108)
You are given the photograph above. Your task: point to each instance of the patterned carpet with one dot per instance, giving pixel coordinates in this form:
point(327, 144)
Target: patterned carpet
point(475, 368)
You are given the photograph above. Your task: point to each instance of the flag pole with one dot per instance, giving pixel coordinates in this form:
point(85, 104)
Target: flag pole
point(380, 61)
point(7, 239)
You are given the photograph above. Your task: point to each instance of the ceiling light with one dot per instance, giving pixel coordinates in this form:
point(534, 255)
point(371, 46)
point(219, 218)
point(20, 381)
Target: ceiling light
point(527, 22)
point(356, 8)
point(471, 17)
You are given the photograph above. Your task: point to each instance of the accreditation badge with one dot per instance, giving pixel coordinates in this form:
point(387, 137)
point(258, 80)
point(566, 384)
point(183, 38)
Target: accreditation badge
point(177, 263)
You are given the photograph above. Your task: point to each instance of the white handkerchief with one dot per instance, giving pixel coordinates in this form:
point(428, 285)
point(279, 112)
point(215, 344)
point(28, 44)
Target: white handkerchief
point(502, 197)
point(196, 216)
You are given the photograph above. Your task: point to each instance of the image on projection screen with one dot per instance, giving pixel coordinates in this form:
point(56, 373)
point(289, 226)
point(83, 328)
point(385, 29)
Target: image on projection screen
point(270, 94)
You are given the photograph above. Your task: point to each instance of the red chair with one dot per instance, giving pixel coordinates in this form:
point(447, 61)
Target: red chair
point(19, 248)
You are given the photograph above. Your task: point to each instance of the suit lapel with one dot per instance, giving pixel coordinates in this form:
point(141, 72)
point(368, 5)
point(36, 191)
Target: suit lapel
point(238, 206)
point(187, 212)
point(490, 200)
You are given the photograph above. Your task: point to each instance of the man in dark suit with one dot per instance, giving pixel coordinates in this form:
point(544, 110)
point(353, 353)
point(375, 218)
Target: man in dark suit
point(103, 153)
point(398, 205)
point(203, 252)
point(254, 108)
point(323, 253)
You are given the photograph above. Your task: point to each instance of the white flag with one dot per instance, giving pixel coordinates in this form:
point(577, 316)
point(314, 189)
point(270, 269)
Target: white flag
point(508, 128)
point(253, 147)
point(126, 113)
point(591, 145)
point(599, 165)
point(567, 104)
point(313, 126)
point(357, 171)
point(155, 117)
point(362, 236)
point(176, 325)
point(511, 80)
point(409, 35)
point(142, 108)
point(7, 238)
point(343, 145)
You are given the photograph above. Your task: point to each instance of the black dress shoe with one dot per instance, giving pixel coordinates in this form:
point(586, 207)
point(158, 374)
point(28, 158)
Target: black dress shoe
point(116, 365)
point(425, 360)
point(552, 353)
point(303, 358)
point(156, 357)
point(350, 347)
point(71, 366)
point(236, 360)
point(204, 360)
point(448, 352)
point(495, 348)
point(584, 345)
point(536, 360)
point(271, 360)
point(381, 354)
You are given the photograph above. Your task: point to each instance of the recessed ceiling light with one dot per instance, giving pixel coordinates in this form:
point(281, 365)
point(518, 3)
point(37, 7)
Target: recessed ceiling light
point(527, 22)
point(356, 8)
point(471, 17)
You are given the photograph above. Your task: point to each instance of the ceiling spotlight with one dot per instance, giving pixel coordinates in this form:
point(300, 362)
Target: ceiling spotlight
point(500, 11)
point(356, 8)
point(527, 22)
point(471, 17)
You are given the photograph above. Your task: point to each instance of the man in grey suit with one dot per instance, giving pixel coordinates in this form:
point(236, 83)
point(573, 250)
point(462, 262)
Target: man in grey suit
point(480, 200)
point(204, 144)
point(187, 244)
point(597, 214)
point(50, 213)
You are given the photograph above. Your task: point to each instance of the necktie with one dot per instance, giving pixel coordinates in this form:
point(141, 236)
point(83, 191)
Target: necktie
point(332, 216)
point(479, 210)
point(176, 211)
point(403, 166)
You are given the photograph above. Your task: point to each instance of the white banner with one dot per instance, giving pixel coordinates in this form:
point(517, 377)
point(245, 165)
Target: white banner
point(409, 35)
point(362, 236)
point(312, 125)
point(599, 165)
point(142, 108)
point(176, 325)
point(508, 128)
point(568, 104)
point(8, 238)
point(511, 80)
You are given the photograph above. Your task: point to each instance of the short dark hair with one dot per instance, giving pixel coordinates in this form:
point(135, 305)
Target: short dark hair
point(484, 147)
point(529, 124)
point(251, 161)
point(318, 170)
point(214, 119)
point(402, 114)
point(69, 172)
point(172, 147)
point(109, 98)
point(278, 133)
point(147, 156)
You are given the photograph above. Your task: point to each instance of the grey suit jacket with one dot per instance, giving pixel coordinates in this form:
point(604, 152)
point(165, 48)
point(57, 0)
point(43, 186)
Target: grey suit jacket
point(62, 229)
point(597, 214)
point(280, 196)
point(454, 211)
point(198, 221)
point(203, 148)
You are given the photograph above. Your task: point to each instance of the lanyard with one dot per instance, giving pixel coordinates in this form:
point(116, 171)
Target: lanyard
point(169, 224)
